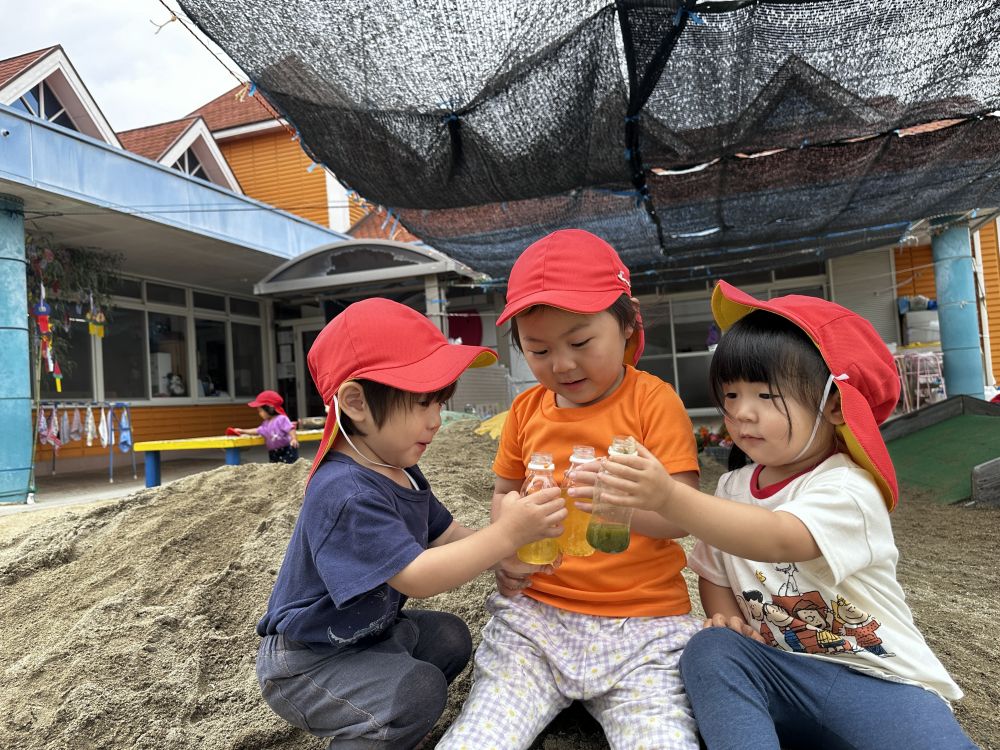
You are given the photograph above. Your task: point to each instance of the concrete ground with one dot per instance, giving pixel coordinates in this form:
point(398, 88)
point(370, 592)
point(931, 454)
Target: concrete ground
point(67, 488)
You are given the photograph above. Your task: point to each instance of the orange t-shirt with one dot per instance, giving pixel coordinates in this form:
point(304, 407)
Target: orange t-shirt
point(645, 580)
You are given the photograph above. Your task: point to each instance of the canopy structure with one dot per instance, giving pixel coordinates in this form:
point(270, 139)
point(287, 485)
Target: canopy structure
point(693, 135)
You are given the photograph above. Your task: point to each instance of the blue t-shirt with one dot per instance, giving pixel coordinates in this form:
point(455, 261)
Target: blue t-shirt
point(356, 530)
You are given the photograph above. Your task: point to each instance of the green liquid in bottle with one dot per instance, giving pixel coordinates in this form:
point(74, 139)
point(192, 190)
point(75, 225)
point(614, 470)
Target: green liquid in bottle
point(608, 537)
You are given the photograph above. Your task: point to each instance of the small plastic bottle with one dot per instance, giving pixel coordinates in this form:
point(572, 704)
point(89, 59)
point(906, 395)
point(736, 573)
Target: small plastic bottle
point(608, 530)
point(540, 477)
point(573, 540)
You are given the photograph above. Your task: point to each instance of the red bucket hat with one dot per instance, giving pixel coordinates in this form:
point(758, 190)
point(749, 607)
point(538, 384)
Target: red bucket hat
point(381, 340)
point(269, 398)
point(573, 270)
point(864, 370)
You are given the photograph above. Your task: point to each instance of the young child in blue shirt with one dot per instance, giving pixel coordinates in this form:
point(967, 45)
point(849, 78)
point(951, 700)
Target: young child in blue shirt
point(340, 657)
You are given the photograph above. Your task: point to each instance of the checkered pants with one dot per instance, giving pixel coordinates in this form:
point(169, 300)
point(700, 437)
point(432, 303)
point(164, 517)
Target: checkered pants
point(535, 659)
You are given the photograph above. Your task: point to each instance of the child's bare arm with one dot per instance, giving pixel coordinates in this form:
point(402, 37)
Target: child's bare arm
point(448, 565)
point(747, 531)
point(247, 431)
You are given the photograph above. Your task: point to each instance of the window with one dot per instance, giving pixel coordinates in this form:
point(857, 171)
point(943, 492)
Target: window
point(208, 301)
point(189, 164)
point(248, 377)
point(210, 345)
point(127, 288)
point(123, 350)
point(250, 308)
point(168, 361)
point(41, 101)
point(167, 295)
point(76, 366)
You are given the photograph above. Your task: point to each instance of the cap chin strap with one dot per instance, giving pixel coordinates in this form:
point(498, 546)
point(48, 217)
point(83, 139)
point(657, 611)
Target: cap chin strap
point(336, 416)
point(819, 414)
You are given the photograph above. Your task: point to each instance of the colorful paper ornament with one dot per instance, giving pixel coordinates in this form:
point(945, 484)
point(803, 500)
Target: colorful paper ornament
point(42, 312)
point(57, 375)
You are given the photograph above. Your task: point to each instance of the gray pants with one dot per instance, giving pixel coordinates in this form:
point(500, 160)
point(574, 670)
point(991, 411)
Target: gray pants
point(383, 694)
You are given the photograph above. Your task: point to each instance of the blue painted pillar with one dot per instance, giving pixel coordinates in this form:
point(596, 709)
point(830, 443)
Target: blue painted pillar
point(956, 299)
point(15, 380)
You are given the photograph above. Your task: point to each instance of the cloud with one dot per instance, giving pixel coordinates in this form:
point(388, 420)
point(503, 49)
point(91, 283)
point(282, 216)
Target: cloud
point(137, 76)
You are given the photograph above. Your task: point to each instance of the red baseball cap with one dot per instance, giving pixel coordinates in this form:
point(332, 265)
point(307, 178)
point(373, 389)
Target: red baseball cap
point(381, 340)
point(851, 347)
point(573, 270)
point(269, 398)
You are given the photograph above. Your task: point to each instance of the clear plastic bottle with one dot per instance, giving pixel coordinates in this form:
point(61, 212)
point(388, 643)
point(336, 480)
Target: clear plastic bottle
point(540, 477)
point(608, 530)
point(573, 540)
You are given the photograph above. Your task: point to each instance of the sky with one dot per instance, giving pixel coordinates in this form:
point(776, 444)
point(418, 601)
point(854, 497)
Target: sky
point(136, 75)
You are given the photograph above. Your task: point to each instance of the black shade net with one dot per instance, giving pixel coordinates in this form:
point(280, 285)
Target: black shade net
point(483, 126)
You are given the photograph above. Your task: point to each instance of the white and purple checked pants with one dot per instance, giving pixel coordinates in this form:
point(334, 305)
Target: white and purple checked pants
point(535, 659)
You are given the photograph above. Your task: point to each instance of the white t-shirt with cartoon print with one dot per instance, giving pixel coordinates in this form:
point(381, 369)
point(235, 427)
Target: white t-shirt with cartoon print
point(845, 606)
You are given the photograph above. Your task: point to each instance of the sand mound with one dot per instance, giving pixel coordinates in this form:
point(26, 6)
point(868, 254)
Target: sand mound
point(130, 625)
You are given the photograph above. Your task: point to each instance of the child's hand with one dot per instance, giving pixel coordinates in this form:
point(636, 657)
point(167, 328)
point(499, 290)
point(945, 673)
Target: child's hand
point(738, 624)
point(237, 430)
point(533, 517)
point(513, 575)
point(294, 442)
point(638, 481)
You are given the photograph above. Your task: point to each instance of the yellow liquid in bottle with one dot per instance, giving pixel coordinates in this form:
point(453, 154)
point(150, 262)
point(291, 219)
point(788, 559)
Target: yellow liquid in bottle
point(573, 540)
point(544, 551)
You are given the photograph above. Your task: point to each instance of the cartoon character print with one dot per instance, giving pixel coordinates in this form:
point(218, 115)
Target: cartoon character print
point(812, 622)
point(789, 587)
point(785, 623)
point(752, 602)
point(850, 620)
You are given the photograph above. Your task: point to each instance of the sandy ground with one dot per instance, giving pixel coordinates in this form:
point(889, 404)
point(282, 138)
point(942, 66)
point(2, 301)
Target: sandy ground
point(129, 624)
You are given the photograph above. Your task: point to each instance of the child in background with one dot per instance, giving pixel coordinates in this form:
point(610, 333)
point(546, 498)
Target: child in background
point(605, 629)
point(276, 428)
point(810, 642)
point(340, 657)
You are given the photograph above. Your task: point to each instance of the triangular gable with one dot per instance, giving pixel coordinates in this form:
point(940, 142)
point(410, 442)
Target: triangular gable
point(20, 74)
point(167, 142)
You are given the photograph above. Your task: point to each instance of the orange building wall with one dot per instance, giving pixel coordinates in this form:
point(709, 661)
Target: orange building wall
point(158, 423)
point(988, 248)
point(273, 168)
point(915, 272)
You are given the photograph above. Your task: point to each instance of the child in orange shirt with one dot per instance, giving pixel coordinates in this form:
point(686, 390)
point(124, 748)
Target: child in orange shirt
point(605, 629)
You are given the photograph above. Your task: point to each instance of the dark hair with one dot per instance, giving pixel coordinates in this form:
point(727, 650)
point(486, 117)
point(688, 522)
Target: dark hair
point(384, 400)
point(269, 410)
point(621, 310)
point(762, 347)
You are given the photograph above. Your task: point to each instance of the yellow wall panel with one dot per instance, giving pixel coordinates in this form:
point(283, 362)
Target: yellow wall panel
point(273, 168)
point(988, 248)
point(915, 272)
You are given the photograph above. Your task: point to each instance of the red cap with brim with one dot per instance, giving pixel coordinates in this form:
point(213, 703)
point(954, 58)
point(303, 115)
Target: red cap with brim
point(573, 270)
point(386, 342)
point(268, 398)
point(851, 347)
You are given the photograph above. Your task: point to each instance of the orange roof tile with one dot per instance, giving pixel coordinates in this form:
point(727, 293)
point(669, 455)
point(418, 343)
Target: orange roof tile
point(227, 111)
point(154, 140)
point(12, 66)
point(370, 226)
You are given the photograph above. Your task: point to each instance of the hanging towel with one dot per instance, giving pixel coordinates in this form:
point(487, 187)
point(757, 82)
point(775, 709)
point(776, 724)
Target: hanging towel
point(76, 430)
point(54, 440)
point(124, 432)
point(102, 428)
point(89, 428)
point(43, 427)
point(111, 427)
point(64, 427)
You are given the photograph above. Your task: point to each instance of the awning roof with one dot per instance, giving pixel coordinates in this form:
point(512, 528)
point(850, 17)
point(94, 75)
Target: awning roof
point(81, 192)
point(350, 264)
